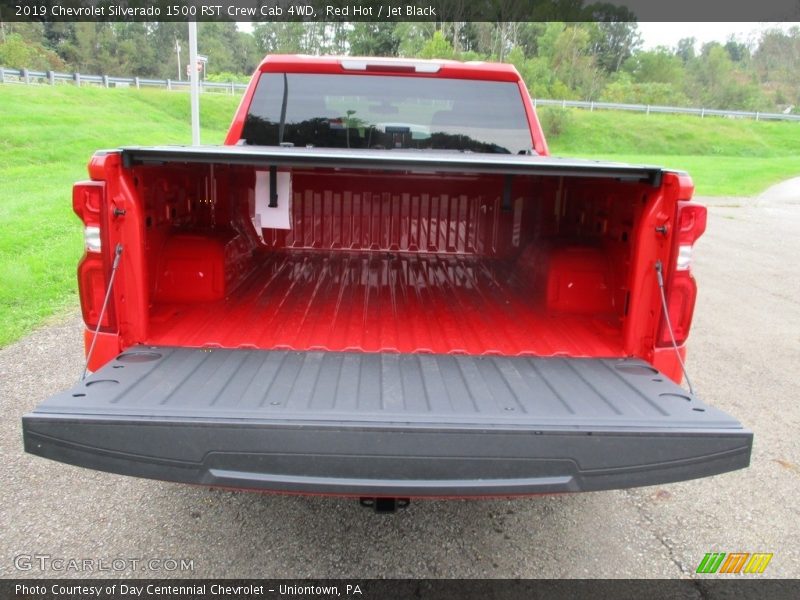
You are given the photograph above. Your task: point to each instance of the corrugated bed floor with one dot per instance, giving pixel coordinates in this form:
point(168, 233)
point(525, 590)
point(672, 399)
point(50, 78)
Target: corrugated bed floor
point(381, 302)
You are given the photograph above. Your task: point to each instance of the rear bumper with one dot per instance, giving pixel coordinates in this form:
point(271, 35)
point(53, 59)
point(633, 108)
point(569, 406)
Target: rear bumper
point(384, 461)
point(385, 424)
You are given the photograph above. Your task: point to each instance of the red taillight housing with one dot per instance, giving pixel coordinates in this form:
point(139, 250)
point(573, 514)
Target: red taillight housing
point(87, 201)
point(681, 287)
point(93, 270)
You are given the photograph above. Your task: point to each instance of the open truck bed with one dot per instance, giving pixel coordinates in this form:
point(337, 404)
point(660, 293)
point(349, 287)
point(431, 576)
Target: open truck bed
point(402, 251)
point(430, 324)
point(385, 302)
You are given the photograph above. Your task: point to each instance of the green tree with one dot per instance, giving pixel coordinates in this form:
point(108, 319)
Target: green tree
point(685, 49)
point(479, 37)
point(719, 84)
point(775, 63)
point(625, 90)
point(528, 38)
point(374, 39)
point(437, 47)
point(659, 66)
point(614, 42)
point(413, 36)
point(227, 48)
point(96, 49)
point(135, 49)
point(163, 37)
point(279, 37)
point(18, 53)
point(713, 72)
point(738, 51)
point(568, 51)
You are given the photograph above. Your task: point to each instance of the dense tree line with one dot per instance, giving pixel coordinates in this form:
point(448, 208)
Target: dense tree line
point(588, 61)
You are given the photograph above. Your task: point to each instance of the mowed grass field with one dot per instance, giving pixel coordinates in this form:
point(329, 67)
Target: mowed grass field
point(48, 134)
point(725, 157)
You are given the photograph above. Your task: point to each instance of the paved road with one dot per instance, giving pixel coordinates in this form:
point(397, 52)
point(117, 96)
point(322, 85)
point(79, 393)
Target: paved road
point(745, 354)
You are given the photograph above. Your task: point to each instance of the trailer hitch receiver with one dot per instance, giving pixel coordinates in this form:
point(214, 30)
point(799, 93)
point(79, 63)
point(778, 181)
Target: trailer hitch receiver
point(384, 505)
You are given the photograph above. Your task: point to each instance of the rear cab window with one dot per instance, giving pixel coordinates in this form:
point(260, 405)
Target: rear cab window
point(387, 112)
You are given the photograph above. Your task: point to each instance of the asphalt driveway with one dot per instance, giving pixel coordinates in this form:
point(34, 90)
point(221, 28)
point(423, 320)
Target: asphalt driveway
point(744, 359)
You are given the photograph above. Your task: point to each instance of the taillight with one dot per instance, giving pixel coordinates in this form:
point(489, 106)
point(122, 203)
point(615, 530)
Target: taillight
point(91, 239)
point(681, 295)
point(681, 287)
point(93, 269)
point(87, 201)
point(390, 65)
point(92, 286)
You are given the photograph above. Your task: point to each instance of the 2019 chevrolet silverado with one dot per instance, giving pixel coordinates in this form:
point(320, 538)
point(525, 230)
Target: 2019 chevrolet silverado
point(383, 285)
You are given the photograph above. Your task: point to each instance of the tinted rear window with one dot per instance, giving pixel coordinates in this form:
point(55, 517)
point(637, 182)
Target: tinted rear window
point(385, 112)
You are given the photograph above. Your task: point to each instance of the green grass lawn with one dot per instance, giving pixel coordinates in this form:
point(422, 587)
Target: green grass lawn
point(720, 175)
point(48, 134)
point(725, 157)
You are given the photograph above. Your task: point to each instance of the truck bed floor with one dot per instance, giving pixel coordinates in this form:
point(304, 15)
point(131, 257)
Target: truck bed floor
point(385, 302)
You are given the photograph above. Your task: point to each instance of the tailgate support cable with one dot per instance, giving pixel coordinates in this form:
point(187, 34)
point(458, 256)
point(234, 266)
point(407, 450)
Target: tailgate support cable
point(660, 275)
point(114, 266)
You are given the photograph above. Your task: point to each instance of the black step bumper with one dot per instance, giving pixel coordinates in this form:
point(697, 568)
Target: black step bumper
point(192, 416)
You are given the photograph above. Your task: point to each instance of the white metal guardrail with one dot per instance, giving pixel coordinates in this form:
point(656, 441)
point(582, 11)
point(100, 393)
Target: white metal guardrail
point(52, 77)
point(675, 110)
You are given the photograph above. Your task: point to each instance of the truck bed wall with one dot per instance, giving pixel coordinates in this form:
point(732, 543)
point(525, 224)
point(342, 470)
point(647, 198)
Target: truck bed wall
point(571, 239)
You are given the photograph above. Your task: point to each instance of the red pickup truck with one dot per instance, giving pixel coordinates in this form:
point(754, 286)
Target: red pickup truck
point(382, 285)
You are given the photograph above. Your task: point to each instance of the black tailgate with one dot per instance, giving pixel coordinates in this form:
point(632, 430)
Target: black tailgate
point(385, 424)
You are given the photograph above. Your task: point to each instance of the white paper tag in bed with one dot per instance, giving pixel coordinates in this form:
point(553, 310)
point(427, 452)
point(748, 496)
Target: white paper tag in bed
point(280, 216)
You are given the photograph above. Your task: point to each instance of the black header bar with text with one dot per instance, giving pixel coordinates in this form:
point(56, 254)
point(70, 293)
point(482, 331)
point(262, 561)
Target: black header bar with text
point(399, 10)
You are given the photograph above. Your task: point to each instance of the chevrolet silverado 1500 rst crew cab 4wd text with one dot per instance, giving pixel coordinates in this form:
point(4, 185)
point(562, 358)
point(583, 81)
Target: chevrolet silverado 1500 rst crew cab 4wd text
point(382, 285)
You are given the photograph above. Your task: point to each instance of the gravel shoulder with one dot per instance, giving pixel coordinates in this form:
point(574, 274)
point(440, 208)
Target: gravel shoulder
point(744, 354)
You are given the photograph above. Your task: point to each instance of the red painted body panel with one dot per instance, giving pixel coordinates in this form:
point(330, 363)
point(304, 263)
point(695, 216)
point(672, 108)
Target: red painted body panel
point(449, 69)
point(418, 213)
point(394, 258)
point(665, 360)
point(482, 71)
point(407, 262)
point(107, 347)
